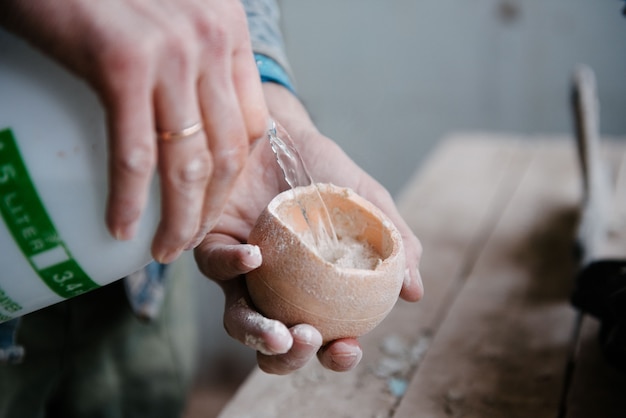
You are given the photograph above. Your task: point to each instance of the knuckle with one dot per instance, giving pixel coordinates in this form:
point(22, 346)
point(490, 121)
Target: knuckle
point(231, 162)
point(180, 51)
point(125, 59)
point(193, 173)
point(138, 161)
point(214, 34)
point(216, 30)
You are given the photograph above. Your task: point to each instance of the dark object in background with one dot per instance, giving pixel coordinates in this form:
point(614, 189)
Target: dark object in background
point(601, 292)
point(600, 286)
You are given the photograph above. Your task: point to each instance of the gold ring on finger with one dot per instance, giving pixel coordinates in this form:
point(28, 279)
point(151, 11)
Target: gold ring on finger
point(191, 130)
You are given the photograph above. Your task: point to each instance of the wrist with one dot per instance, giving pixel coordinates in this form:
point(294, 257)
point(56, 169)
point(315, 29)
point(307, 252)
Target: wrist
point(271, 71)
point(286, 109)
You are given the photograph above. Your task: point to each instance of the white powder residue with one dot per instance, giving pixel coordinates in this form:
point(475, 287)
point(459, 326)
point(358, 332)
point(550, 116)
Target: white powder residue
point(257, 343)
point(305, 334)
point(253, 250)
point(261, 325)
point(266, 326)
point(351, 253)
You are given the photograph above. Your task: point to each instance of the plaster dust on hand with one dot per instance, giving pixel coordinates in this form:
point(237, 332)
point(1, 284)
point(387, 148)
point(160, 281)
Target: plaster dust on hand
point(258, 322)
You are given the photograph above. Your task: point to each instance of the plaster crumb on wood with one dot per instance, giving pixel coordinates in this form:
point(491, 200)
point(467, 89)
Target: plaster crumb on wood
point(398, 361)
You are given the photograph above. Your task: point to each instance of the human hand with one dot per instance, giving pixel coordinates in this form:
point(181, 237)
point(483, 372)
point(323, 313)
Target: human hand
point(224, 257)
point(159, 66)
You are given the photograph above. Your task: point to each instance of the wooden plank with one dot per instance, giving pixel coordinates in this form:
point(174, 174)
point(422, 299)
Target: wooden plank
point(452, 205)
point(502, 350)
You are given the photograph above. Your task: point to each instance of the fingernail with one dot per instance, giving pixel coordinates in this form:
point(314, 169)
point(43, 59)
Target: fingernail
point(346, 361)
point(253, 257)
point(124, 232)
point(407, 277)
point(346, 357)
point(306, 335)
point(420, 283)
point(167, 257)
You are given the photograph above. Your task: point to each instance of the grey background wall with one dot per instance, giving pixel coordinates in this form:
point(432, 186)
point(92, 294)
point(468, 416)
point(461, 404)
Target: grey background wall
point(388, 79)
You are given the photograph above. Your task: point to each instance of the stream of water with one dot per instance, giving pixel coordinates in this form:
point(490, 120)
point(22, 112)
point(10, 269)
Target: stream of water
point(297, 175)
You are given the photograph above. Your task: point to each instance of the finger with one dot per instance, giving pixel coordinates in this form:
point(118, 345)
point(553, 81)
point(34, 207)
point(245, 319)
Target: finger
point(250, 327)
point(221, 257)
point(412, 287)
point(250, 93)
point(185, 164)
point(341, 355)
point(132, 154)
point(306, 342)
point(228, 143)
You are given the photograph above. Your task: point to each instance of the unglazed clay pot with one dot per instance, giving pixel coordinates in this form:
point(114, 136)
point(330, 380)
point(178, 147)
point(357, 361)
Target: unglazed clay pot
point(344, 291)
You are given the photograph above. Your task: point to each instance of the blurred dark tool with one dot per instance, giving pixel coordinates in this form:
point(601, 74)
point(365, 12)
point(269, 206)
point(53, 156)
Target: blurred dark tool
point(600, 288)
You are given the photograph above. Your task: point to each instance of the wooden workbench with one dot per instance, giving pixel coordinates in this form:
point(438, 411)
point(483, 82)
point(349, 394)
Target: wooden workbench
point(495, 335)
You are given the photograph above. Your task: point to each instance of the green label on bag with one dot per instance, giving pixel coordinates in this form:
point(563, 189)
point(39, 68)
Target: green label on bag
point(31, 227)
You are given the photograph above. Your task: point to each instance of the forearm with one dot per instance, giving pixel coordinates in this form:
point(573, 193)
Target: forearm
point(265, 33)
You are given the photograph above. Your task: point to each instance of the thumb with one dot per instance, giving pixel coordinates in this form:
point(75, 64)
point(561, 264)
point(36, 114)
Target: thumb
point(221, 257)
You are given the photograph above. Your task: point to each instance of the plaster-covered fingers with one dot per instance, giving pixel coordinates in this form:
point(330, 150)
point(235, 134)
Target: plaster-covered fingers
point(221, 257)
point(246, 325)
point(306, 342)
point(341, 355)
